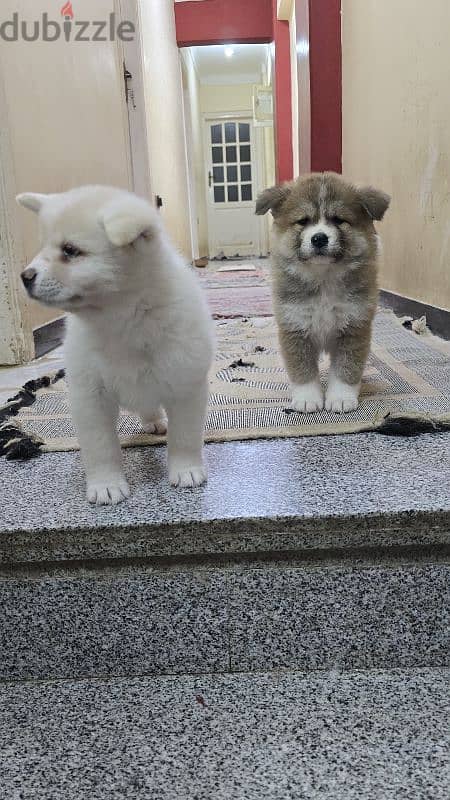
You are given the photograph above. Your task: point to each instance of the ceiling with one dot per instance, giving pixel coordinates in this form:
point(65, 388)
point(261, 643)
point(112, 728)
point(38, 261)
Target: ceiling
point(244, 66)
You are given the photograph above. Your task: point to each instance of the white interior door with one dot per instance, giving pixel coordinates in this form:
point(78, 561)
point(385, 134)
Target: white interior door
point(231, 173)
point(133, 66)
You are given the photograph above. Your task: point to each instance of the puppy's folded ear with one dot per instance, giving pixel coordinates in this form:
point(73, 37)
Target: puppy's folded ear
point(31, 200)
point(126, 218)
point(374, 201)
point(272, 199)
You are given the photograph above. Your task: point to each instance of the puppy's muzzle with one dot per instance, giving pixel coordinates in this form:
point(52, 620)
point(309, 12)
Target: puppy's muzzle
point(319, 241)
point(28, 278)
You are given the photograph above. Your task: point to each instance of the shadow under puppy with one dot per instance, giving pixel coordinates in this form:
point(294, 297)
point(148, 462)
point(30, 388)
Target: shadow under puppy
point(324, 259)
point(139, 334)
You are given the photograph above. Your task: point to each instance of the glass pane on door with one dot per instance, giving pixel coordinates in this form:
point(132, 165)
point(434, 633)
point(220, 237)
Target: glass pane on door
point(216, 134)
point(230, 132)
point(219, 194)
point(231, 157)
point(232, 174)
point(246, 191)
point(244, 132)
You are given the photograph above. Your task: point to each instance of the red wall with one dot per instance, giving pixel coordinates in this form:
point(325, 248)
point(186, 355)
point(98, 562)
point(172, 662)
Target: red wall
point(325, 57)
point(320, 75)
point(283, 100)
point(222, 21)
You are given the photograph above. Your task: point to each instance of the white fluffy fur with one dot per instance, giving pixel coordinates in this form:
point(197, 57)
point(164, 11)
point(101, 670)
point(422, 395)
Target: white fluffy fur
point(307, 397)
point(139, 334)
point(341, 396)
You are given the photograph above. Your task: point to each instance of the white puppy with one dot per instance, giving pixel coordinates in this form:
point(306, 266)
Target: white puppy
point(139, 333)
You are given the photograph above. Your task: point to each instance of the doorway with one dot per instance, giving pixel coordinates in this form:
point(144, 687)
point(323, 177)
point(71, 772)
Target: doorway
point(230, 145)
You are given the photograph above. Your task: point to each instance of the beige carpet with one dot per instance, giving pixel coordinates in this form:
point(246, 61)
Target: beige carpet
point(407, 375)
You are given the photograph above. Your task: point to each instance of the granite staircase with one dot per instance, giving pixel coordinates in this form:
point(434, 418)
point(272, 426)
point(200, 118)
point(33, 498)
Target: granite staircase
point(281, 633)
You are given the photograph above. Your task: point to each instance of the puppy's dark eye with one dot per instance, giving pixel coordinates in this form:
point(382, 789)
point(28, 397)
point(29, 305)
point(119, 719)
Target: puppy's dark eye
point(303, 221)
point(70, 251)
point(338, 221)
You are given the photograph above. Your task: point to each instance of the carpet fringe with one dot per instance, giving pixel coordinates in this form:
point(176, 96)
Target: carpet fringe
point(412, 425)
point(15, 443)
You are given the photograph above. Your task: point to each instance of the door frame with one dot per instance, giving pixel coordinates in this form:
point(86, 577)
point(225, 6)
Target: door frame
point(263, 228)
point(16, 335)
point(189, 155)
point(131, 54)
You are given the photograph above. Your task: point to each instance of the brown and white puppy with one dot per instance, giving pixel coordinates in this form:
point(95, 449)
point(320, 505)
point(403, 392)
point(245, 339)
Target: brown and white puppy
point(324, 258)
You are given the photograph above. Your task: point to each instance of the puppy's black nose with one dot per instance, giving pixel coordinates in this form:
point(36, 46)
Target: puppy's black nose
point(28, 278)
point(319, 240)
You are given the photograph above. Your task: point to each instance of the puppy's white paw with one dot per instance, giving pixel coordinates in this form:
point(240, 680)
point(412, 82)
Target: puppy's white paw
point(341, 397)
point(107, 491)
point(158, 426)
point(187, 476)
point(307, 397)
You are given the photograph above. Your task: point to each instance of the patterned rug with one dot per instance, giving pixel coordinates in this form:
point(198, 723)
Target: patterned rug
point(406, 389)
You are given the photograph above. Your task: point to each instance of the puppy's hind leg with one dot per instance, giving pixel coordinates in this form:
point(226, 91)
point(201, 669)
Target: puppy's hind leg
point(185, 438)
point(156, 422)
point(95, 414)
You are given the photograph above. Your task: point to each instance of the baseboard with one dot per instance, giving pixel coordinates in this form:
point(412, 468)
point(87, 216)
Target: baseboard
point(49, 336)
point(438, 319)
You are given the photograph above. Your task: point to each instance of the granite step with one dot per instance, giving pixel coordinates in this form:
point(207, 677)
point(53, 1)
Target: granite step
point(307, 498)
point(298, 553)
point(131, 621)
point(377, 735)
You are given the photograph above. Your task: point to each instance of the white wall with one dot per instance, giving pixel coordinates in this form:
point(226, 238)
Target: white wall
point(64, 108)
point(164, 107)
point(294, 91)
point(226, 98)
point(396, 133)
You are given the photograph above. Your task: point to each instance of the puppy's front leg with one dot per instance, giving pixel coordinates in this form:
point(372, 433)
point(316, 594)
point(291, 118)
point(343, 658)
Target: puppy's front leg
point(348, 357)
point(301, 357)
point(185, 438)
point(95, 415)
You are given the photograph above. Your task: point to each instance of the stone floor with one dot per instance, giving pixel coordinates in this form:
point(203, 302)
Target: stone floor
point(380, 735)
